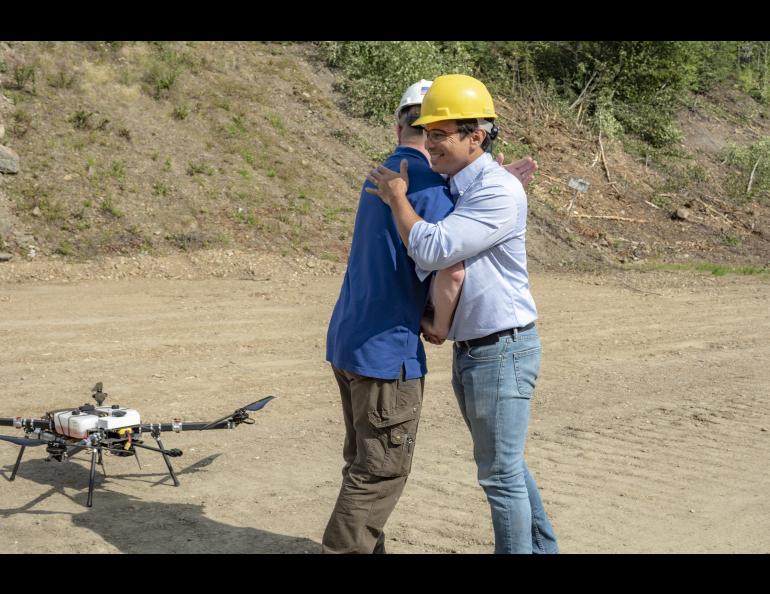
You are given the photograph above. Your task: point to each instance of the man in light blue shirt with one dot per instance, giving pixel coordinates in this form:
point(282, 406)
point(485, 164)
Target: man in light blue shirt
point(496, 355)
point(486, 230)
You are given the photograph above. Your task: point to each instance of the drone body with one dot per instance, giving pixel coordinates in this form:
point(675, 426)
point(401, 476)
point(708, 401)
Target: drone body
point(79, 423)
point(114, 429)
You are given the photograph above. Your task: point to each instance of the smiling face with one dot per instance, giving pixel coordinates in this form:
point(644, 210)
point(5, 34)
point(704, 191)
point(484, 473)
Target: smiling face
point(451, 151)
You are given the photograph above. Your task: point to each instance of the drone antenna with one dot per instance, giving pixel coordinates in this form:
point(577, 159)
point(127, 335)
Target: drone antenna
point(97, 394)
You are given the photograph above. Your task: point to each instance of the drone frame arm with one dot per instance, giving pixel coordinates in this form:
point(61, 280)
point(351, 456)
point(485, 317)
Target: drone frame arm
point(185, 426)
point(27, 424)
point(230, 421)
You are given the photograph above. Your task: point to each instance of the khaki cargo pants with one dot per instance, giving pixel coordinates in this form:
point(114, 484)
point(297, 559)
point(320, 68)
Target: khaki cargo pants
point(381, 418)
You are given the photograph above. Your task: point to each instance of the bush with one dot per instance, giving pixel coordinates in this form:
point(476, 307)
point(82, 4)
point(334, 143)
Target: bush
point(623, 86)
point(81, 119)
point(745, 161)
point(376, 73)
point(181, 112)
point(23, 74)
point(160, 78)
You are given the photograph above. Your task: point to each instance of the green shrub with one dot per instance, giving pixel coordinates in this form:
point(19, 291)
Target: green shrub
point(622, 86)
point(730, 239)
point(23, 74)
point(160, 189)
point(62, 79)
point(194, 168)
point(378, 72)
point(160, 78)
point(81, 119)
point(181, 112)
point(108, 207)
point(745, 161)
point(22, 122)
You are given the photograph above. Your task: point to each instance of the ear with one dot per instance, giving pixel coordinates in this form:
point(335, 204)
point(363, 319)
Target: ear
point(477, 137)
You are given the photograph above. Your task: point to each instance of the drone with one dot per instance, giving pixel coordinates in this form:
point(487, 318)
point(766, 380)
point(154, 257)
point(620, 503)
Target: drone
point(113, 429)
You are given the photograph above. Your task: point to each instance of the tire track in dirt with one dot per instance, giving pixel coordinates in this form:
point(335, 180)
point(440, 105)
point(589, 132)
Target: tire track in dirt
point(686, 463)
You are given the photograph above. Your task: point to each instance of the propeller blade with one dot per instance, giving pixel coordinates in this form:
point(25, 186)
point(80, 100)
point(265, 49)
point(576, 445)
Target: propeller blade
point(23, 441)
point(259, 403)
point(254, 406)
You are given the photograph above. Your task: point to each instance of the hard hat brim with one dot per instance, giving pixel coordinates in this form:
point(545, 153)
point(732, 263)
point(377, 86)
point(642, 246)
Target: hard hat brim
point(430, 119)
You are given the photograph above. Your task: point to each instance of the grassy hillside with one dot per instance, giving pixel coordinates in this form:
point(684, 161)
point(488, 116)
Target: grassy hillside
point(129, 147)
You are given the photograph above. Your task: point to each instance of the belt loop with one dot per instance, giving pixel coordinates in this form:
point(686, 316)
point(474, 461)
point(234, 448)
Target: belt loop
point(515, 334)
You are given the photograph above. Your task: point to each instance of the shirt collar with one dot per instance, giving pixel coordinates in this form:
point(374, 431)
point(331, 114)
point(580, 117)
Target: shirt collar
point(462, 180)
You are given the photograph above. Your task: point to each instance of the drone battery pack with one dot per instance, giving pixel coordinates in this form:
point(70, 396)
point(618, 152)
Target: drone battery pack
point(118, 418)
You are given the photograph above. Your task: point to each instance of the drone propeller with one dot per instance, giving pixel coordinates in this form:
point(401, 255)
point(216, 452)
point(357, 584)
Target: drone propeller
point(23, 441)
point(254, 406)
point(259, 403)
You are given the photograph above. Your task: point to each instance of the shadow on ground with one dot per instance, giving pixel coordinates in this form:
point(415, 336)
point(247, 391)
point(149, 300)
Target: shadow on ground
point(136, 526)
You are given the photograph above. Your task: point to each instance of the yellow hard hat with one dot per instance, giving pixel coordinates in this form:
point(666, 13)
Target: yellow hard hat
point(456, 97)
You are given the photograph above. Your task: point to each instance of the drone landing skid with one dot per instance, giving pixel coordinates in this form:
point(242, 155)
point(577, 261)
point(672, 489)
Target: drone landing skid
point(18, 461)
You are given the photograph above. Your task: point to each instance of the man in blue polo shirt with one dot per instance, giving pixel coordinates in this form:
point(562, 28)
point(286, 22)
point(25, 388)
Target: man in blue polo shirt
point(374, 347)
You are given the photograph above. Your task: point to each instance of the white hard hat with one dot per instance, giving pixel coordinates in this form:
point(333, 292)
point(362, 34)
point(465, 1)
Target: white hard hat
point(413, 95)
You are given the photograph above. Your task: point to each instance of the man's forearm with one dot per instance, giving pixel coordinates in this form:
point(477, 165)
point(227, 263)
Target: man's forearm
point(445, 293)
point(404, 215)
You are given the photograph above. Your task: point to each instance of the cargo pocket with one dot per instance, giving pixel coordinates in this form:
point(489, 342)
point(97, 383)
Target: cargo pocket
point(390, 453)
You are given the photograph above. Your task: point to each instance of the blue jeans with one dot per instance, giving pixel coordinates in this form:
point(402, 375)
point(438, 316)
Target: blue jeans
point(494, 385)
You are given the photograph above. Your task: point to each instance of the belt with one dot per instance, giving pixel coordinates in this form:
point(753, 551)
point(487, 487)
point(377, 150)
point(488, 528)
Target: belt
point(494, 337)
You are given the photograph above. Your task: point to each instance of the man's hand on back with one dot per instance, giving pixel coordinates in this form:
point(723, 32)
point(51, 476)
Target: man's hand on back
point(523, 169)
point(389, 184)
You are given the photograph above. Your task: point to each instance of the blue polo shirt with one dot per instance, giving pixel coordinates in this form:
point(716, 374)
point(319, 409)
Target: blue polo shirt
point(375, 327)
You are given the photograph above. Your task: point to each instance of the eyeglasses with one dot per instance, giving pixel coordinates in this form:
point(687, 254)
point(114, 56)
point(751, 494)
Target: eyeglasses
point(437, 136)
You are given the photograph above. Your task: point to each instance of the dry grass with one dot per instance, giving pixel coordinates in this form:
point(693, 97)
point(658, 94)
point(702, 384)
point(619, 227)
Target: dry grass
point(160, 147)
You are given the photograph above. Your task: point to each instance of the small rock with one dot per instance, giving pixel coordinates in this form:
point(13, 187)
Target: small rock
point(2, 131)
point(36, 212)
point(9, 160)
point(681, 214)
point(67, 177)
point(5, 256)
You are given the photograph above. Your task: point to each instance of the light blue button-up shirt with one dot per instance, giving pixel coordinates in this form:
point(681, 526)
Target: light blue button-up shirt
point(486, 229)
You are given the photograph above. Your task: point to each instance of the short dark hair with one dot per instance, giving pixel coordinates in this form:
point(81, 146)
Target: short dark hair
point(465, 127)
point(408, 116)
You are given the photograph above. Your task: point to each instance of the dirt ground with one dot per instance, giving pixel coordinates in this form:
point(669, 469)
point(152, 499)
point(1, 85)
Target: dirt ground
point(650, 429)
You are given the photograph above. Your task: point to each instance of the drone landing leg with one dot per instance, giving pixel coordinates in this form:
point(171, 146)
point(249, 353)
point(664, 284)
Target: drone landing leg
point(18, 461)
point(101, 463)
point(136, 455)
point(91, 477)
point(168, 462)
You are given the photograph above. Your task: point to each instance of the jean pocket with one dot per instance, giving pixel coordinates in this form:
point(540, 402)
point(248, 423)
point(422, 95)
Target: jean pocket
point(389, 451)
point(527, 367)
point(487, 352)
